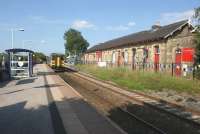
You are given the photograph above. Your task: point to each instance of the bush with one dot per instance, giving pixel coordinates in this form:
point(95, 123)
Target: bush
point(197, 73)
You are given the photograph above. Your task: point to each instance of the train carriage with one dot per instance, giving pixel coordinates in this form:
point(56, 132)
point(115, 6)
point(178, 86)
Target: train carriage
point(57, 60)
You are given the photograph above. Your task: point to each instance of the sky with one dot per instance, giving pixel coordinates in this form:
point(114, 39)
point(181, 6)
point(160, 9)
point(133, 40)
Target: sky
point(45, 21)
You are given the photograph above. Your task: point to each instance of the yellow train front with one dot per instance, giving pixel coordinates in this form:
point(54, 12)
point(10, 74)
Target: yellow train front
point(57, 61)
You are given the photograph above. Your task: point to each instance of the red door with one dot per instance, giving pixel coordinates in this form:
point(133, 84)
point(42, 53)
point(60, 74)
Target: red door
point(156, 58)
point(178, 62)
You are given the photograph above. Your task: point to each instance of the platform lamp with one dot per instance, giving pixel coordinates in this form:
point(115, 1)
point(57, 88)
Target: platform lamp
point(12, 39)
point(12, 34)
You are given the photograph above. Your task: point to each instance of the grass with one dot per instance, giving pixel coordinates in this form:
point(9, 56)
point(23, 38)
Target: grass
point(143, 81)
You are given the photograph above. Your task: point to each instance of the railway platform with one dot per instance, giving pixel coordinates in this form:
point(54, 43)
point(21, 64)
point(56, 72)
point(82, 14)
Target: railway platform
point(45, 104)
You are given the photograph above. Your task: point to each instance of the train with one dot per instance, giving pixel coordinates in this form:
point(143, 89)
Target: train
point(56, 60)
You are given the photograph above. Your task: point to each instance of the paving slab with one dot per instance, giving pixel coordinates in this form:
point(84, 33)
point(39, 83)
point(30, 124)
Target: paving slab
point(24, 107)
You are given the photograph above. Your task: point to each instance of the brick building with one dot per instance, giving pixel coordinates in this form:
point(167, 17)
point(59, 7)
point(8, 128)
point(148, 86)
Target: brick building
point(168, 48)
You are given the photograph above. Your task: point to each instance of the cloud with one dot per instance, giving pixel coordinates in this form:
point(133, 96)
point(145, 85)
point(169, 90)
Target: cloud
point(82, 24)
point(131, 23)
point(171, 17)
point(117, 28)
point(44, 20)
point(43, 41)
point(126, 27)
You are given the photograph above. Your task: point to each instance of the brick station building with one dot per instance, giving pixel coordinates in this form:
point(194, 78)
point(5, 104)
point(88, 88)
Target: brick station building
point(168, 48)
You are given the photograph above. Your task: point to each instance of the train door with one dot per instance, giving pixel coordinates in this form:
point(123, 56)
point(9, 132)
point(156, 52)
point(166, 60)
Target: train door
point(156, 58)
point(178, 62)
point(58, 61)
point(133, 58)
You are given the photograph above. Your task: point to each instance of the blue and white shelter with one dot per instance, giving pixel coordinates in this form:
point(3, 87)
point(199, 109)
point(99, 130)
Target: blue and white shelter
point(20, 62)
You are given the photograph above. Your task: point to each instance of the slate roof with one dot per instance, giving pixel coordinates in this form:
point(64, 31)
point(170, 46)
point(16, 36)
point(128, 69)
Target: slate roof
point(144, 36)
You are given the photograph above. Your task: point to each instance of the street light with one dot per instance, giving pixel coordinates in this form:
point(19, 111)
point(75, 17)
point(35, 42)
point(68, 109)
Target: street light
point(12, 34)
point(12, 40)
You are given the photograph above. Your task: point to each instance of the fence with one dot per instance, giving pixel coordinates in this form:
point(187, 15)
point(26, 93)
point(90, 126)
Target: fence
point(174, 69)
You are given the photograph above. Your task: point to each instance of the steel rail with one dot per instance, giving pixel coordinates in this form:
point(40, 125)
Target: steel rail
point(124, 110)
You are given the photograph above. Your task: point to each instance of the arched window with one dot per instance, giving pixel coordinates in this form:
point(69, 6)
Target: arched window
point(178, 50)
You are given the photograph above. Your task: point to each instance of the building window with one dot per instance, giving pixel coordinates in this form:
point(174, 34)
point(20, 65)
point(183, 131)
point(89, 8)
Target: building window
point(126, 56)
point(113, 57)
point(178, 50)
point(157, 50)
point(145, 55)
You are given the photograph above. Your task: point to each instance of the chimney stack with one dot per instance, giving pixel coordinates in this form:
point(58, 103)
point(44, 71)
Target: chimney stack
point(156, 26)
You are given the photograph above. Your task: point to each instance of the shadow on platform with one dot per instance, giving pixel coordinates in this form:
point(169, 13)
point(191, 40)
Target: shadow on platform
point(25, 81)
point(49, 86)
point(3, 84)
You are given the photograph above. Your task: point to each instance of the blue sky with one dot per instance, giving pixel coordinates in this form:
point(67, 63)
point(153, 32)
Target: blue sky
point(45, 21)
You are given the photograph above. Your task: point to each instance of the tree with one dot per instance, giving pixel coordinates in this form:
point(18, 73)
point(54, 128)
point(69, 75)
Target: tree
point(39, 57)
point(197, 36)
point(75, 44)
point(197, 14)
point(197, 43)
point(3, 56)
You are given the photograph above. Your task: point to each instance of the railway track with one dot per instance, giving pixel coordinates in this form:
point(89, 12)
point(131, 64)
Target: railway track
point(182, 112)
point(124, 110)
point(142, 127)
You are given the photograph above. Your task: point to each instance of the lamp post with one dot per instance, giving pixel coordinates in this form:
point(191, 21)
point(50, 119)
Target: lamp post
point(12, 35)
point(12, 40)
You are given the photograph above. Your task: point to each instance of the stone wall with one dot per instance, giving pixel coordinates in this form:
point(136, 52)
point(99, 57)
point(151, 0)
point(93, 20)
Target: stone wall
point(116, 56)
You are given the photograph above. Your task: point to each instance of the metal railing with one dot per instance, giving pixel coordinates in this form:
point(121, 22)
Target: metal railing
point(174, 69)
